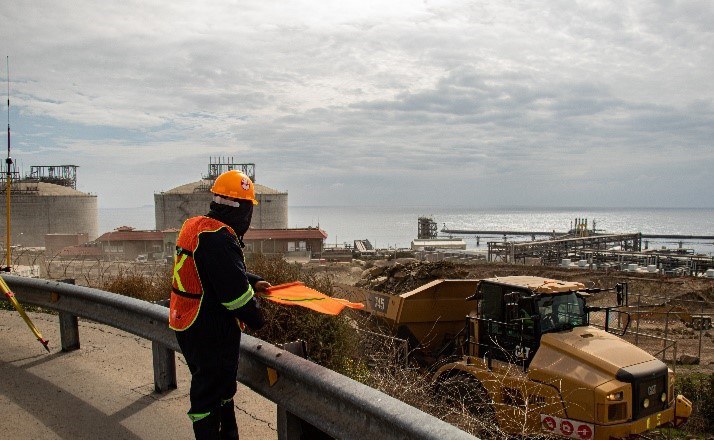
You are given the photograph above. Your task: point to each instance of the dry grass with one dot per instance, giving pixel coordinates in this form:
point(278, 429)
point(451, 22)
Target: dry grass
point(128, 282)
point(331, 339)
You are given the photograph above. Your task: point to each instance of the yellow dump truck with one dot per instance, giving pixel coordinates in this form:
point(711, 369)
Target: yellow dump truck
point(524, 348)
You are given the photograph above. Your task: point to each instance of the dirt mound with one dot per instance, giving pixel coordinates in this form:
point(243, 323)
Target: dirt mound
point(405, 274)
point(402, 275)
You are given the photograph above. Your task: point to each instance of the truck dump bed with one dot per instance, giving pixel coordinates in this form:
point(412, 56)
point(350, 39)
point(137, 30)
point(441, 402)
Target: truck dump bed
point(429, 314)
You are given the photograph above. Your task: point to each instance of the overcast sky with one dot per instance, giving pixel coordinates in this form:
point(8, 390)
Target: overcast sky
point(472, 103)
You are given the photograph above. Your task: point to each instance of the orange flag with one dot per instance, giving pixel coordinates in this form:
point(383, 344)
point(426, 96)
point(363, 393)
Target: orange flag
point(298, 294)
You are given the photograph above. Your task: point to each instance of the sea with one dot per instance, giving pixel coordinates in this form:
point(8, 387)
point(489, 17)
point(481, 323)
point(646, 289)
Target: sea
point(396, 226)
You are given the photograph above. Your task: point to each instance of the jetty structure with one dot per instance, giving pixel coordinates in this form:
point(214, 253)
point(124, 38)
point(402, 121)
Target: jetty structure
point(591, 248)
point(427, 238)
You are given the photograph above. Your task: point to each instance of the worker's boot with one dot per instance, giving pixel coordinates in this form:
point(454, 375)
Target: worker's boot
point(229, 427)
point(208, 427)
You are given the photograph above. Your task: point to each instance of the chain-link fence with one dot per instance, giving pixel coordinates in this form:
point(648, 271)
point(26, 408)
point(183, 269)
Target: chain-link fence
point(677, 330)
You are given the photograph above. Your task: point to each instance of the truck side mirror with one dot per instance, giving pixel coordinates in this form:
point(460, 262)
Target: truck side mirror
point(511, 306)
point(511, 312)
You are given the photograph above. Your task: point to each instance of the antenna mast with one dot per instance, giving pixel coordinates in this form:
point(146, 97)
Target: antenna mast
point(8, 181)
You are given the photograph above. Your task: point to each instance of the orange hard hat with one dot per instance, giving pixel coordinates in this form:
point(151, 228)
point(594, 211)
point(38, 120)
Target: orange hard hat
point(235, 185)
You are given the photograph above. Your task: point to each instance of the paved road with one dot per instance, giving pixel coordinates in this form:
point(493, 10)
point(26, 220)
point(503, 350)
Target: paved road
point(104, 390)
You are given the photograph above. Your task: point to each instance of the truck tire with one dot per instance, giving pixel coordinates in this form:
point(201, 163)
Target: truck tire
point(470, 403)
point(465, 391)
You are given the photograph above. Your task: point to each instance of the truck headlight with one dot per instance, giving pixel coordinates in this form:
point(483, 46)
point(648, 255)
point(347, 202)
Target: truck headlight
point(615, 396)
point(646, 403)
point(663, 397)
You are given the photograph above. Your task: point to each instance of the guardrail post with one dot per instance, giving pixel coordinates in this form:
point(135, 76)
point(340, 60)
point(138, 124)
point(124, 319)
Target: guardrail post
point(164, 367)
point(290, 426)
point(69, 326)
point(69, 331)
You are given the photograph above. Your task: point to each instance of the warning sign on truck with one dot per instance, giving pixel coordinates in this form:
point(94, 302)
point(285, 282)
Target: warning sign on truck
point(566, 427)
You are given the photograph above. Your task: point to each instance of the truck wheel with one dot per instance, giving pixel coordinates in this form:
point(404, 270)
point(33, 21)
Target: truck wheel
point(466, 392)
point(470, 402)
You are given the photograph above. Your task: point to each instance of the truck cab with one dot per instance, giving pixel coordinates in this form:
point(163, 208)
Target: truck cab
point(514, 312)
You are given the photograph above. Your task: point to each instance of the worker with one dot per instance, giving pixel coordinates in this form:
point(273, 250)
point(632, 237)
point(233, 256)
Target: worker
point(212, 297)
point(527, 320)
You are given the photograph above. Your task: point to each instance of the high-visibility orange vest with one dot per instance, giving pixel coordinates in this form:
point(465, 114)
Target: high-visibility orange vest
point(186, 288)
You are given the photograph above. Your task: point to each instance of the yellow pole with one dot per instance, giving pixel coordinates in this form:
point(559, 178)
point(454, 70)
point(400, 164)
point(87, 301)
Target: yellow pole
point(7, 211)
point(15, 303)
point(8, 182)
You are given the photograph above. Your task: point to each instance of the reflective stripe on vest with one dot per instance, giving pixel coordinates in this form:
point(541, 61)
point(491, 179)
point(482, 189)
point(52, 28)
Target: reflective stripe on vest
point(186, 288)
point(241, 300)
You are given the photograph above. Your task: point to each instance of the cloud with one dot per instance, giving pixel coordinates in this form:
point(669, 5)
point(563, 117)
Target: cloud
point(551, 103)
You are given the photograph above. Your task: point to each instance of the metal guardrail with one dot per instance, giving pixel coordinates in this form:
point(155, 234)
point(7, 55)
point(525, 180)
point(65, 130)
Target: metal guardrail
point(305, 392)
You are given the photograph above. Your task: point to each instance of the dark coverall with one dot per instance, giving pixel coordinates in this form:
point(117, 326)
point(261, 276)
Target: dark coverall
point(211, 344)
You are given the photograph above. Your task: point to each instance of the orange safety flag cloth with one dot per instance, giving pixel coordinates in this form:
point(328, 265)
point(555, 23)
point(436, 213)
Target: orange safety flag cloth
point(298, 294)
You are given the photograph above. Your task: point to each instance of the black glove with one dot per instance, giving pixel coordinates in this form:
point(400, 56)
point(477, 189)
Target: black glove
point(251, 314)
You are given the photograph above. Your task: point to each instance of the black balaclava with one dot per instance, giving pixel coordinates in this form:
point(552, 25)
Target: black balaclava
point(237, 218)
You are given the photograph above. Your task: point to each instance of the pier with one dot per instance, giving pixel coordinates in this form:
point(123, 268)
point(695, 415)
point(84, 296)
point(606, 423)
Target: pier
point(596, 249)
point(553, 251)
point(558, 234)
point(617, 251)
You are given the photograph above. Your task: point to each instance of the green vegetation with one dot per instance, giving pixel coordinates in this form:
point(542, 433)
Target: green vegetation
point(699, 388)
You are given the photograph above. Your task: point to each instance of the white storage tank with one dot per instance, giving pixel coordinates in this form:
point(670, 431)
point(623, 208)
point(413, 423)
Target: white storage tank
point(565, 262)
point(173, 207)
point(40, 208)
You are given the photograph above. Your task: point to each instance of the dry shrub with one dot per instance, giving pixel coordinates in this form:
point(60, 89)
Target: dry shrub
point(458, 400)
point(154, 287)
point(699, 388)
point(331, 339)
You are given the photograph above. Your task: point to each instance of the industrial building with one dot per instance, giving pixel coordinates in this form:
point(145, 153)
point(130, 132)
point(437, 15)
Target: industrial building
point(47, 202)
point(122, 244)
point(55, 243)
point(85, 251)
point(174, 206)
point(438, 244)
point(305, 242)
point(127, 244)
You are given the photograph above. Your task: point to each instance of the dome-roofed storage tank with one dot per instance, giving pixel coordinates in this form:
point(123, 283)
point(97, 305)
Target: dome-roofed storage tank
point(174, 206)
point(38, 207)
